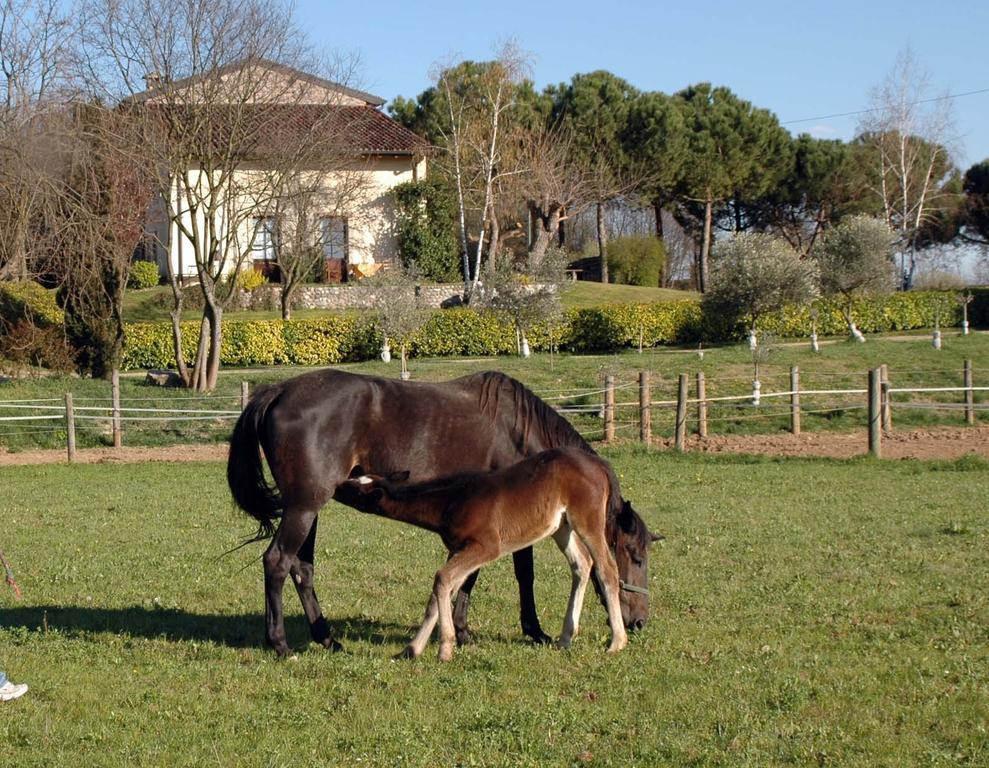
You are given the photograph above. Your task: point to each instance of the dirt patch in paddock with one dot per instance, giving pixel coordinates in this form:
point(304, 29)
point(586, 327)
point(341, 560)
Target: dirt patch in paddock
point(125, 455)
point(929, 443)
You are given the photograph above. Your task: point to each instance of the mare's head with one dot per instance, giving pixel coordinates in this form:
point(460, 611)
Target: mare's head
point(365, 491)
point(631, 539)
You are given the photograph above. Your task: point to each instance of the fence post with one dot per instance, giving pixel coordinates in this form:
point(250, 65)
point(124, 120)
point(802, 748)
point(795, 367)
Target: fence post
point(875, 419)
point(795, 400)
point(609, 408)
point(645, 426)
point(680, 434)
point(115, 413)
point(969, 394)
point(70, 427)
point(245, 394)
point(701, 405)
point(885, 404)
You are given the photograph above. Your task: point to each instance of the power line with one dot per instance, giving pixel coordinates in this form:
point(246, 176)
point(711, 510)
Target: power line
point(879, 109)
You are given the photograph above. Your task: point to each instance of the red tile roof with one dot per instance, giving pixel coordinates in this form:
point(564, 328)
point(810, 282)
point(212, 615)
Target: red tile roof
point(266, 130)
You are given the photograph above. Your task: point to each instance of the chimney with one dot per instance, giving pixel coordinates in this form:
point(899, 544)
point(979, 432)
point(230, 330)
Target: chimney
point(152, 81)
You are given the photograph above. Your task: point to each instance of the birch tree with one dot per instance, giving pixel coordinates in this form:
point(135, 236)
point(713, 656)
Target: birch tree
point(909, 133)
point(475, 106)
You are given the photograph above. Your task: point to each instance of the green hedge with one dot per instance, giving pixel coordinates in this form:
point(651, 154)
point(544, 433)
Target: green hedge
point(26, 300)
point(464, 331)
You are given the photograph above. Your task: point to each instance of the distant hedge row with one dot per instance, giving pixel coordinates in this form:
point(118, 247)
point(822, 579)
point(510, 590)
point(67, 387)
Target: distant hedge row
point(464, 331)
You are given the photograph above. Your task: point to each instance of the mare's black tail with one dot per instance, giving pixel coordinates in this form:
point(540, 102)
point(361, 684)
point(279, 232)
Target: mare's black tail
point(245, 469)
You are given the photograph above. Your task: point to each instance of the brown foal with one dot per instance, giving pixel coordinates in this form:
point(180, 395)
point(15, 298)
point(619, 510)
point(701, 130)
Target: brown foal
point(562, 492)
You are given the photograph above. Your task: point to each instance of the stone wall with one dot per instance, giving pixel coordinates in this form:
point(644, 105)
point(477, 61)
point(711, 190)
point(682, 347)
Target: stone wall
point(347, 296)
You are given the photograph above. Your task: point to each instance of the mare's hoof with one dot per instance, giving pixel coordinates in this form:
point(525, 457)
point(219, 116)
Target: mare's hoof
point(332, 645)
point(406, 653)
point(446, 653)
point(562, 646)
point(465, 637)
point(540, 638)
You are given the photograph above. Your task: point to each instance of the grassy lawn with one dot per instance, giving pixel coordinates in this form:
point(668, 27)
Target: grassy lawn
point(840, 364)
point(804, 612)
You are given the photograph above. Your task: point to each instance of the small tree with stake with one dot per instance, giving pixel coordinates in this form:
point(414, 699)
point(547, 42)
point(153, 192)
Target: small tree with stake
point(399, 313)
point(527, 296)
point(855, 258)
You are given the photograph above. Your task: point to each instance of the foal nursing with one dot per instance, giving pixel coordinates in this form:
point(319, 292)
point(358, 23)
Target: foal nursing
point(562, 492)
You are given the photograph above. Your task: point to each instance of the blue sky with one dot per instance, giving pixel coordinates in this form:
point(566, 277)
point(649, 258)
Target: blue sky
point(801, 60)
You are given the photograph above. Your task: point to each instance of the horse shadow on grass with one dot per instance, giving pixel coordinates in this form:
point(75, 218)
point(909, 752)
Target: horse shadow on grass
point(244, 630)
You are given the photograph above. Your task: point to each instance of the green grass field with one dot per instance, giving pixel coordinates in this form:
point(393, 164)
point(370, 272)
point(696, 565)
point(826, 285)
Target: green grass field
point(805, 612)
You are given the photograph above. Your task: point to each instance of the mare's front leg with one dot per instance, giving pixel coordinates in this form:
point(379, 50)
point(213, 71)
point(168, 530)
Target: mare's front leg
point(464, 635)
point(302, 574)
point(525, 575)
point(279, 559)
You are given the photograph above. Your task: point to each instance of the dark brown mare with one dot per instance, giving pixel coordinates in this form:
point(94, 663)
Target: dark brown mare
point(562, 492)
point(315, 429)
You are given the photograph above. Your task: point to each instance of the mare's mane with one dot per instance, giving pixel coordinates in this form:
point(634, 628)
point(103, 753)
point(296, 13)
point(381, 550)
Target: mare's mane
point(528, 413)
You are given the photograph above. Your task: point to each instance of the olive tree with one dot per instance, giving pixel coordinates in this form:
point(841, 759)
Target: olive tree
point(856, 258)
point(527, 294)
point(755, 274)
point(398, 311)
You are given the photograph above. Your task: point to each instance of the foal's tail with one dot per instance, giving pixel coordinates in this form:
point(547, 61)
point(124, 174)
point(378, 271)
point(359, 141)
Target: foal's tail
point(245, 470)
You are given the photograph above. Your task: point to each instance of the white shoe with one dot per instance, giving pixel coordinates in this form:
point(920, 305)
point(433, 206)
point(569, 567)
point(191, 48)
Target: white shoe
point(9, 691)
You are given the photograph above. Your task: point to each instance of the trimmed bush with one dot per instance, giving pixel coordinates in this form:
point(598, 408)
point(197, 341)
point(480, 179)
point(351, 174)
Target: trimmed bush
point(636, 260)
point(465, 331)
point(143, 274)
point(30, 302)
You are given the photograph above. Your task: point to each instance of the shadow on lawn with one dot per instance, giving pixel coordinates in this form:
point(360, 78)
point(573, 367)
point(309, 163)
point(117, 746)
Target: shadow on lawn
point(244, 630)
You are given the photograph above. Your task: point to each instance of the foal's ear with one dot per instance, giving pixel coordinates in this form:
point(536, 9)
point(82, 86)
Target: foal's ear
point(399, 477)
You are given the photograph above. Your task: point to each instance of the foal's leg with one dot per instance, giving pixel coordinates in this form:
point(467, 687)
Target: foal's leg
point(580, 568)
point(278, 560)
point(525, 575)
point(448, 579)
point(607, 572)
point(302, 574)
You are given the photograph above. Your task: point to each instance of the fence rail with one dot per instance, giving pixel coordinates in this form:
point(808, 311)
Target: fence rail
point(598, 403)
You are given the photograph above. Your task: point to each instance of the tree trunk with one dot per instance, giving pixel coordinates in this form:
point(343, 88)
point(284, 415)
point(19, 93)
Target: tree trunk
point(664, 276)
point(602, 242)
point(494, 242)
point(286, 296)
point(547, 224)
point(176, 315)
point(702, 272)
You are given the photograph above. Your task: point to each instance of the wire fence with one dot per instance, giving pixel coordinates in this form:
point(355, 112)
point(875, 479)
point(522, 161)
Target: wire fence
point(651, 406)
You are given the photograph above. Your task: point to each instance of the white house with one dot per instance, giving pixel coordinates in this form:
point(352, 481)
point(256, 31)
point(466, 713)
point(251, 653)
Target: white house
point(356, 226)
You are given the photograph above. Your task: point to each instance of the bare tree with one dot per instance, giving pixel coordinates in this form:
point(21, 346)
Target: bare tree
point(34, 62)
point(102, 201)
point(910, 135)
point(551, 186)
point(308, 201)
point(214, 86)
point(477, 102)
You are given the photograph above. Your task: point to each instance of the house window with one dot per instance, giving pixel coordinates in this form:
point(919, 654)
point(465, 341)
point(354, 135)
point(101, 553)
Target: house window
point(263, 245)
point(333, 237)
